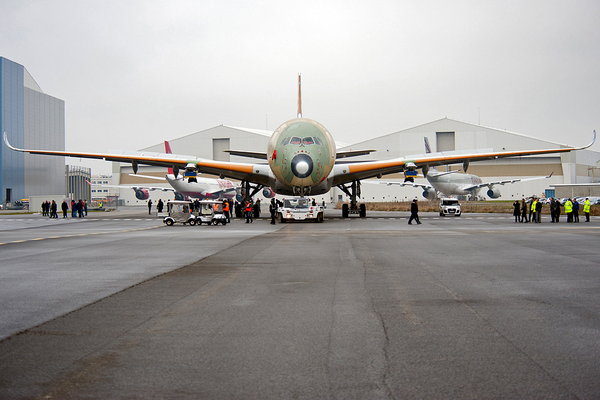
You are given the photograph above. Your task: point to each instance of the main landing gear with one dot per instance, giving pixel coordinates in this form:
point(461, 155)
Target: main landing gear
point(353, 191)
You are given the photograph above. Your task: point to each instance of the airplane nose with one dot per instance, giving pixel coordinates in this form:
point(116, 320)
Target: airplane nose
point(302, 165)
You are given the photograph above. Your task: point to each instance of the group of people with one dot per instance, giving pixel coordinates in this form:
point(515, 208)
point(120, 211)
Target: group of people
point(535, 210)
point(78, 209)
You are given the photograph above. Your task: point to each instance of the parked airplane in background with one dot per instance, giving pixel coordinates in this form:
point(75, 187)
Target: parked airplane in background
point(456, 183)
point(302, 160)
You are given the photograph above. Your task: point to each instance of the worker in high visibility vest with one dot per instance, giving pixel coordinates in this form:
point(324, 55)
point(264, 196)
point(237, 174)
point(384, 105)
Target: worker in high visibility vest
point(586, 209)
point(532, 210)
point(226, 210)
point(569, 210)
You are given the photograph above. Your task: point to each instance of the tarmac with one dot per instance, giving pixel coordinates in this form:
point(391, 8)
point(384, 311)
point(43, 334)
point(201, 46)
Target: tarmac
point(470, 307)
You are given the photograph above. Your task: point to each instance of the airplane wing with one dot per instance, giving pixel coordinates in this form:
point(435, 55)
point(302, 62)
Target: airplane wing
point(345, 173)
point(257, 173)
point(490, 184)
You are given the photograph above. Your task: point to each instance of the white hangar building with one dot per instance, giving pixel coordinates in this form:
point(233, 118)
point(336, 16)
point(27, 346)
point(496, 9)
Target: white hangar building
point(443, 135)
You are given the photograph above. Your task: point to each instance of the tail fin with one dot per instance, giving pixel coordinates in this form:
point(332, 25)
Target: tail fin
point(299, 97)
point(168, 151)
point(427, 147)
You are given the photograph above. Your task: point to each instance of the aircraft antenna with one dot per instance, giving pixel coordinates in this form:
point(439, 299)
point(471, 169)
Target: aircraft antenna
point(299, 97)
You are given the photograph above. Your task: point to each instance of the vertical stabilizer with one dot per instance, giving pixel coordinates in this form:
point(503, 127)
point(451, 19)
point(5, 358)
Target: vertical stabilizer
point(427, 147)
point(168, 151)
point(299, 97)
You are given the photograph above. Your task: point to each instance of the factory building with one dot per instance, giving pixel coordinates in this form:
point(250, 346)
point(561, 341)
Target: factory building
point(443, 135)
point(31, 119)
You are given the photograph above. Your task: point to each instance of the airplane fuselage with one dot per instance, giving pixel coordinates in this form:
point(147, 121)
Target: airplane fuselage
point(454, 184)
point(301, 155)
point(204, 188)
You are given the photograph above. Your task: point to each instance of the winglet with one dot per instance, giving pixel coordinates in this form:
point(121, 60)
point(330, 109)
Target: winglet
point(9, 145)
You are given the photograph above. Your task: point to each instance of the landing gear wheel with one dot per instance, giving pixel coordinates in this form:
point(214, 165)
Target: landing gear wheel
point(362, 211)
point(344, 210)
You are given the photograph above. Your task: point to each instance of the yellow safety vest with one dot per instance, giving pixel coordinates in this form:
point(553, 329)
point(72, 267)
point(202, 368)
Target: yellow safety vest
point(568, 207)
point(587, 206)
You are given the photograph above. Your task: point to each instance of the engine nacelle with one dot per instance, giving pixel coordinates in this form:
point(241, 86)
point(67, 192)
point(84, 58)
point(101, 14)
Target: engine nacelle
point(493, 193)
point(179, 196)
point(141, 194)
point(429, 194)
point(268, 193)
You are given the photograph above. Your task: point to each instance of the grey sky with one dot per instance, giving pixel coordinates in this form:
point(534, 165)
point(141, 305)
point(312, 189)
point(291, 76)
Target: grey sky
point(134, 73)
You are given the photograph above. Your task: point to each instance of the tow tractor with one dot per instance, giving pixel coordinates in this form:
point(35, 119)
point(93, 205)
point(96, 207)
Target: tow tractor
point(300, 209)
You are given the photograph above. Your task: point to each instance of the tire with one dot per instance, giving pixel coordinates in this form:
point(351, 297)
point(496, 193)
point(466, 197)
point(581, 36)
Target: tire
point(319, 218)
point(169, 222)
point(192, 222)
point(345, 211)
point(224, 222)
point(362, 209)
point(215, 222)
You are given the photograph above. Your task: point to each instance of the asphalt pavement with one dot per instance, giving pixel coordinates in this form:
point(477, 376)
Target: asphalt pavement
point(469, 307)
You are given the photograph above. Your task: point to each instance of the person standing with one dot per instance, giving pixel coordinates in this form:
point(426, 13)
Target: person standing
point(586, 209)
point(273, 211)
point(523, 211)
point(85, 207)
point(414, 212)
point(73, 209)
point(552, 210)
point(248, 210)
point(53, 208)
point(569, 210)
point(150, 207)
point(517, 211)
point(538, 211)
point(532, 213)
point(160, 205)
point(65, 208)
point(226, 210)
point(575, 210)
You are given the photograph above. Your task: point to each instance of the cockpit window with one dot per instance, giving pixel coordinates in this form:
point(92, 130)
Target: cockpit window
point(318, 141)
point(308, 140)
point(295, 140)
point(285, 141)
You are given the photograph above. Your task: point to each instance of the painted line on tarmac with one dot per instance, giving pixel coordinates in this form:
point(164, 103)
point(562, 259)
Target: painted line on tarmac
point(81, 234)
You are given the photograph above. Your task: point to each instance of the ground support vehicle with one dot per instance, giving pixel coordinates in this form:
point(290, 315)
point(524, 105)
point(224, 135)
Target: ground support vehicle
point(450, 206)
point(300, 209)
point(179, 211)
point(211, 213)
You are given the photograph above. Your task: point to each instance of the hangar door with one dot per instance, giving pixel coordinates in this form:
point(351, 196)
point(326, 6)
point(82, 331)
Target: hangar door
point(219, 147)
point(445, 141)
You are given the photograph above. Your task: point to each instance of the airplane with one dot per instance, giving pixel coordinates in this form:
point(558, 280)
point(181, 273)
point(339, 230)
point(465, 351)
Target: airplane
point(455, 183)
point(302, 160)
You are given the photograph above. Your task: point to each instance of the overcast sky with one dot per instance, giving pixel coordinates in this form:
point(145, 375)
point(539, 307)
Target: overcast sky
point(134, 73)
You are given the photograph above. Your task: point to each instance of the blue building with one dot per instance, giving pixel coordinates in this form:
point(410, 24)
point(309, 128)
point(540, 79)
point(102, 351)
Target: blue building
point(31, 119)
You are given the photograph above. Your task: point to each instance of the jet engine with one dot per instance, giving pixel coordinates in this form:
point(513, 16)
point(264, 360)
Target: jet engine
point(493, 193)
point(268, 193)
point(141, 194)
point(429, 194)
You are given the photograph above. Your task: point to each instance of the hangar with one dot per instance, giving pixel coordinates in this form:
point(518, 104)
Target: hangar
point(444, 135)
